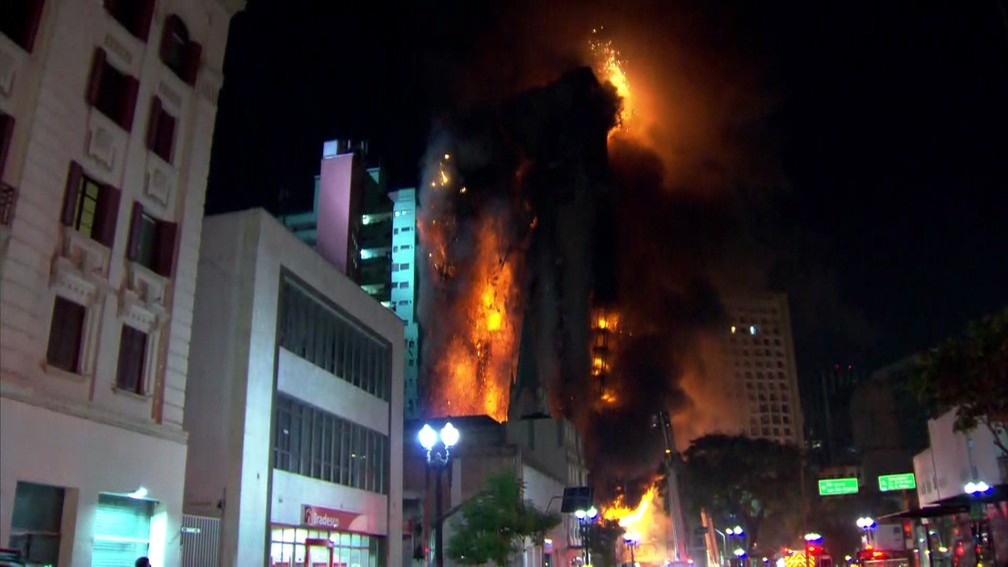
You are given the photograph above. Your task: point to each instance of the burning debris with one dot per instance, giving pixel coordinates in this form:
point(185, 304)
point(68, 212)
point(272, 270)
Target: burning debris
point(610, 67)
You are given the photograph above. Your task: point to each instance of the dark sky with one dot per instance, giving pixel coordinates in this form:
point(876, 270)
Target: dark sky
point(862, 146)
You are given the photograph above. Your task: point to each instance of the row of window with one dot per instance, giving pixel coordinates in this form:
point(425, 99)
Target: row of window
point(110, 90)
point(400, 266)
point(313, 442)
point(288, 549)
point(92, 208)
point(760, 376)
point(114, 94)
point(66, 334)
point(768, 432)
point(319, 333)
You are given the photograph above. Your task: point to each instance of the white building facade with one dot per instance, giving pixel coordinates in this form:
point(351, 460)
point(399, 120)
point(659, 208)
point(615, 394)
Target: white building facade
point(955, 459)
point(759, 365)
point(107, 112)
point(295, 403)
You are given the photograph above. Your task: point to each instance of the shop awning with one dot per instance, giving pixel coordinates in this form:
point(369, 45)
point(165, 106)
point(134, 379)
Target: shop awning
point(925, 512)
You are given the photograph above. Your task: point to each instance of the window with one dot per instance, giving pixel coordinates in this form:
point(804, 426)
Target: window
point(111, 91)
point(36, 522)
point(160, 131)
point(6, 134)
point(312, 442)
point(19, 21)
point(178, 52)
point(90, 207)
point(320, 334)
point(151, 242)
point(134, 15)
point(132, 353)
point(65, 333)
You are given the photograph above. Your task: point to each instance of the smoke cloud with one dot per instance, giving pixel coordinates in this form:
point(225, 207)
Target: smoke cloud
point(648, 223)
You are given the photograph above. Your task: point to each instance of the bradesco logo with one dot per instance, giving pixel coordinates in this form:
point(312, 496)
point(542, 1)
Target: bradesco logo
point(327, 517)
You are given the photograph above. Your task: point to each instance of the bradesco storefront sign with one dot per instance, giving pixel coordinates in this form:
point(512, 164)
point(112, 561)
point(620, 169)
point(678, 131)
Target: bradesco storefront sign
point(837, 486)
point(320, 517)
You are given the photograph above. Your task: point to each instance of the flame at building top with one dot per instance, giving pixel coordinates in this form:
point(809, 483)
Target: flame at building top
point(610, 67)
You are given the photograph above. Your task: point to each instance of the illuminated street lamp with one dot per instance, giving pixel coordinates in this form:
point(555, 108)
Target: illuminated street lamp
point(867, 525)
point(632, 540)
point(585, 519)
point(976, 490)
point(438, 446)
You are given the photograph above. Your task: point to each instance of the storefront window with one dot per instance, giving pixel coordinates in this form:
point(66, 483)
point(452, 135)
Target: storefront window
point(287, 548)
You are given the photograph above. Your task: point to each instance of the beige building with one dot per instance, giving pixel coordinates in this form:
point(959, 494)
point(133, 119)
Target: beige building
point(107, 112)
point(295, 404)
point(759, 360)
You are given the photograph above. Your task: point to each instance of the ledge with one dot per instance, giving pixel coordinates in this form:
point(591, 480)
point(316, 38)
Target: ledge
point(90, 413)
point(131, 394)
point(57, 372)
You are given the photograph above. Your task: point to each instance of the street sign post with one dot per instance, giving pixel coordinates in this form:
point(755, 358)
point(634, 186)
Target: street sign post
point(903, 481)
point(837, 486)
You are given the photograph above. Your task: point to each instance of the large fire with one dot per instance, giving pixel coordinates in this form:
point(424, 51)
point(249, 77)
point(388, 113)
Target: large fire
point(648, 524)
point(472, 370)
point(610, 66)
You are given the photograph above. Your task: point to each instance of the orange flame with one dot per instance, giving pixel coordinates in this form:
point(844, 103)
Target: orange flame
point(610, 67)
point(647, 523)
point(472, 372)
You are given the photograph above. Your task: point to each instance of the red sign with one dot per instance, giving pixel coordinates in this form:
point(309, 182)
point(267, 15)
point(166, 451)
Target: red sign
point(327, 517)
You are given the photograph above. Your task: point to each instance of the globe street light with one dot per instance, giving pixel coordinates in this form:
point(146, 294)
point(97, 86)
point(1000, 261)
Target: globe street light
point(632, 540)
point(976, 490)
point(438, 446)
point(585, 519)
point(867, 525)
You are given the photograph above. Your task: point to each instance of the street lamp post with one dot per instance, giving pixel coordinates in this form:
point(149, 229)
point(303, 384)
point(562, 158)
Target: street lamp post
point(724, 545)
point(585, 519)
point(632, 540)
point(976, 490)
point(867, 525)
point(738, 532)
point(438, 446)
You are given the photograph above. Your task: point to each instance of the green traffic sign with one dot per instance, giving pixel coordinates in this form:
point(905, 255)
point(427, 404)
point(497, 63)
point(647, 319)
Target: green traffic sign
point(903, 481)
point(835, 486)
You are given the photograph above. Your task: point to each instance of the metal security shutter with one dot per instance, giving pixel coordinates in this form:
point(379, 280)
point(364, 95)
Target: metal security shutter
point(122, 531)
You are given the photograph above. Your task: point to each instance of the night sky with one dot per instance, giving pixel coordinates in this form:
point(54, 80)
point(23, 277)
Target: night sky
point(859, 149)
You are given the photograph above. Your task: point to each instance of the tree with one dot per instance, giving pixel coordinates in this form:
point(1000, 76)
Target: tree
point(970, 374)
point(495, 522)
point(752, 482)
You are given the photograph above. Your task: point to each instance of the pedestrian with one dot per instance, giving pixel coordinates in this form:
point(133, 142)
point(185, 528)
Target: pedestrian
point(142, 562)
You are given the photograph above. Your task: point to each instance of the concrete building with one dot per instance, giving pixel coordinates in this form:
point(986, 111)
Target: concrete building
point(107, 112)
point(383, 242)
point(758, 354)
point(350, 223)
point(403, 293)
point(295, 403)
point(953, 523)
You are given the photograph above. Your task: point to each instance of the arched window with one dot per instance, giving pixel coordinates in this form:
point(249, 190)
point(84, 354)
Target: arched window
point(178, 51)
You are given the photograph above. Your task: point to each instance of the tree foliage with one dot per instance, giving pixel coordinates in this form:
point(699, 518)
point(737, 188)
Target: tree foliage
point(495, 522)
point(970, 374)
point(753, 482)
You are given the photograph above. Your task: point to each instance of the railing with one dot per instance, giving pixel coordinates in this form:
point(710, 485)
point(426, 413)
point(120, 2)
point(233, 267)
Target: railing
point(8, 197)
